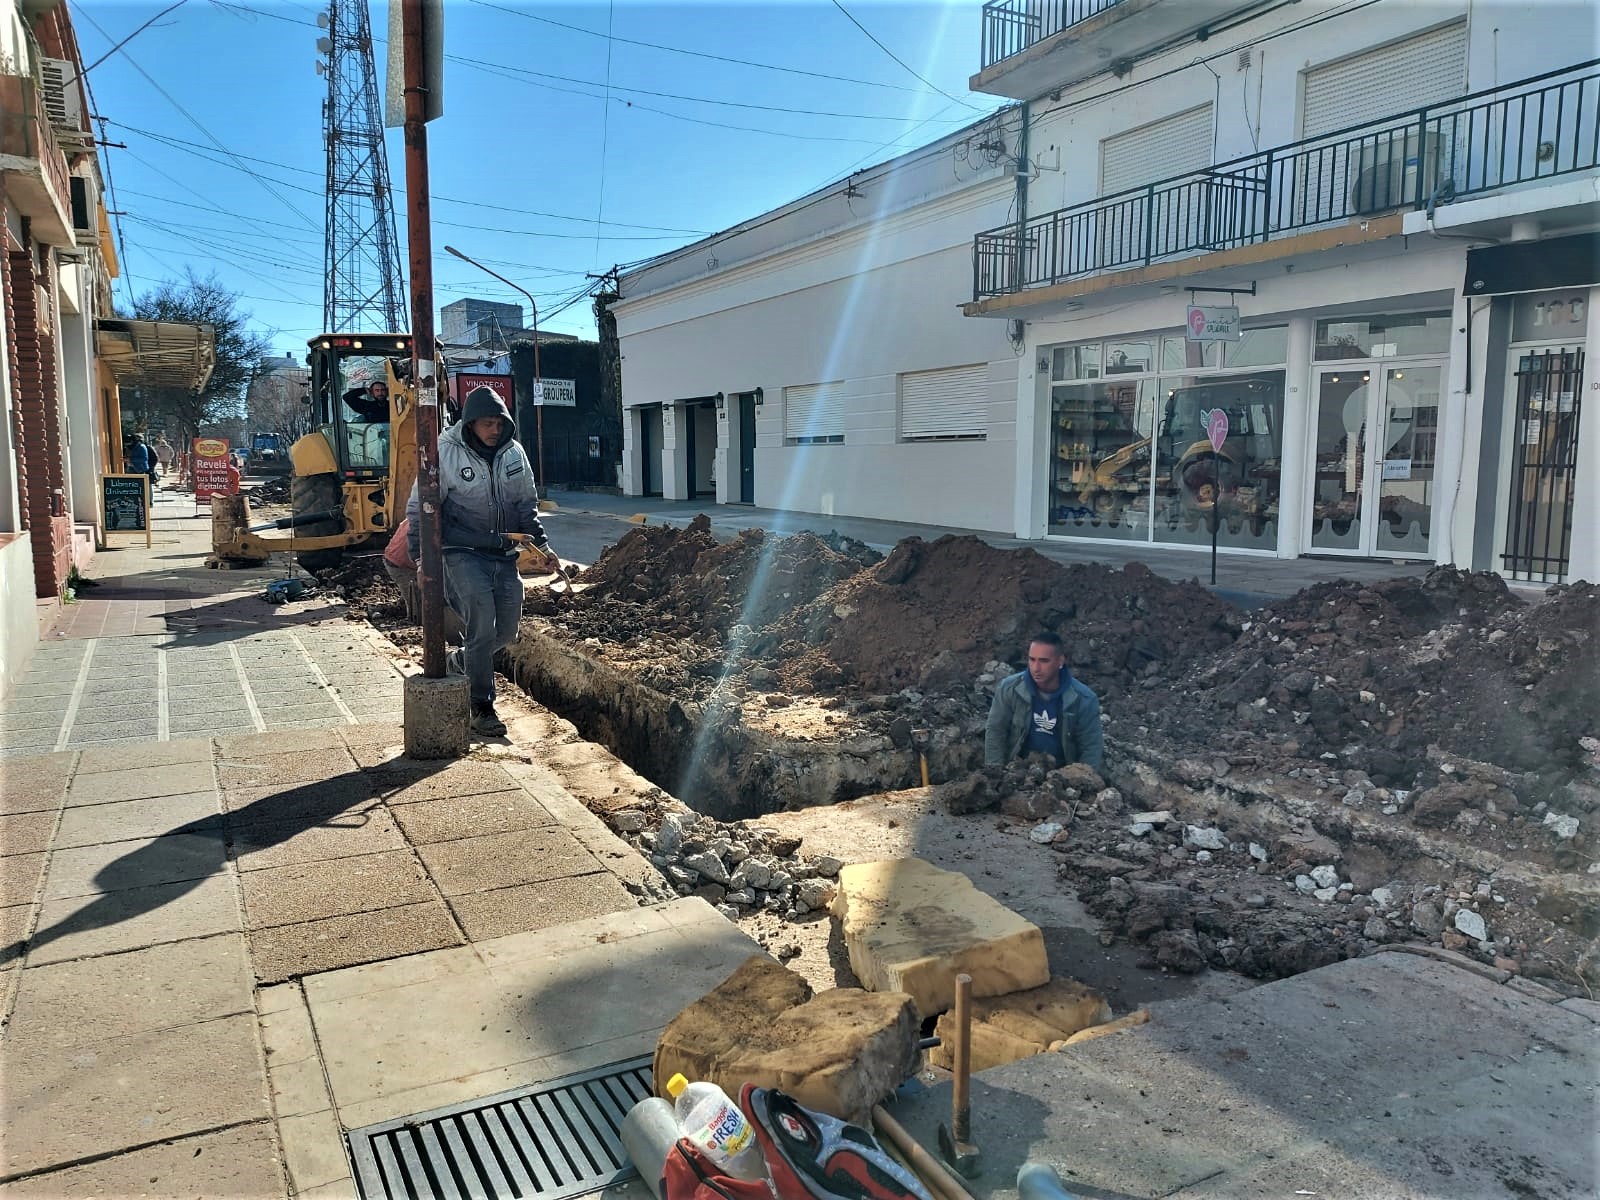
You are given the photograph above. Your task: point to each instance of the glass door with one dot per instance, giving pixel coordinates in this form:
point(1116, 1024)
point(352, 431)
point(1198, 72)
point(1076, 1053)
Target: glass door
point(1376, 438)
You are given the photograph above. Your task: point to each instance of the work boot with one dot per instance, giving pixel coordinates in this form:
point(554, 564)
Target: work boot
point(486, 721)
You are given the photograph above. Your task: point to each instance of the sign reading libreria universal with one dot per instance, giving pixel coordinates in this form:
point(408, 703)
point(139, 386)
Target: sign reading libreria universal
point(125, 503)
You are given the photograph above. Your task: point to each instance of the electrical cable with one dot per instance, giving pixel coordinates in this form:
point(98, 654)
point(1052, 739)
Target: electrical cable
point(605, 129)
point(743, 62)
point(900, 60)
point(130, 37)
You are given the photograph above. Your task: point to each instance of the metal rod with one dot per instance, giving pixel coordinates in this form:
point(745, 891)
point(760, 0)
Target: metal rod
point(933, 1172)
point(419, 235)
point(961, 1085)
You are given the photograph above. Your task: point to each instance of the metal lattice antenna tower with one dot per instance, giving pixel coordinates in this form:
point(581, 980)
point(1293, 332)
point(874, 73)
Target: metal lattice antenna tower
point(362, 259)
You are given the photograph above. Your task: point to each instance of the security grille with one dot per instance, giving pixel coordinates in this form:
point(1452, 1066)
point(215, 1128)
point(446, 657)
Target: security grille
point(814, 413)
point(551, 1141)
point(947, 404)
point(1544, 465)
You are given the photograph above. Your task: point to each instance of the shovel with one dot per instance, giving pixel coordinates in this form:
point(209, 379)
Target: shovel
point(526, 542)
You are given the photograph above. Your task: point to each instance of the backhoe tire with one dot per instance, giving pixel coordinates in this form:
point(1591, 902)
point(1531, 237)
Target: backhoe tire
point(317, 493)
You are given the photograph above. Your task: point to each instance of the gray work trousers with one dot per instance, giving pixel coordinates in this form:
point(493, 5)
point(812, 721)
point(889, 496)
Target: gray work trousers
point(487, 592)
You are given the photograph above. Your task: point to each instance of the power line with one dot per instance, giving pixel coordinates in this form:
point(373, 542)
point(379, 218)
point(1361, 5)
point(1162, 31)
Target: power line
point(130, 37)
point(743, 62)
point(605, 128)
point(900, 60)
point(193, 120)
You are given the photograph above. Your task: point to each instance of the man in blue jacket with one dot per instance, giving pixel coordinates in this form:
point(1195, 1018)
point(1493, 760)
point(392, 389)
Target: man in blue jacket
point(488, 505)
point(1044, 710)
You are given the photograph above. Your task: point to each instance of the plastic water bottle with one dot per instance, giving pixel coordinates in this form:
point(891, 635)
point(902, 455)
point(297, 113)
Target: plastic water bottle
point(713, 1122)
point(1037, 1181)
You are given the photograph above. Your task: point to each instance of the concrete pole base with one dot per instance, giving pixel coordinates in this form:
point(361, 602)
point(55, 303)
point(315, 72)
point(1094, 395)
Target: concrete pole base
point(437, 713)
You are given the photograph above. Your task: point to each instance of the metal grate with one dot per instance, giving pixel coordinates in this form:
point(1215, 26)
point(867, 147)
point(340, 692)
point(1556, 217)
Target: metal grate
point(552, 1140)
point(1545, 465)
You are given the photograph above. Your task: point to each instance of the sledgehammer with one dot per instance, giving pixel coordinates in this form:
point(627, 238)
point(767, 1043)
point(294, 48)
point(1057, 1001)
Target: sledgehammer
point(955, 1139)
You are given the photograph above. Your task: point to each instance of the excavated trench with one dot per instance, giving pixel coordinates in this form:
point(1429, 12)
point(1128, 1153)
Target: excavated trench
point(708, 755)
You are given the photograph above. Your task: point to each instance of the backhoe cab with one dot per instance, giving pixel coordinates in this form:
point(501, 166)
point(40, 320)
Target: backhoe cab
point(352, 474)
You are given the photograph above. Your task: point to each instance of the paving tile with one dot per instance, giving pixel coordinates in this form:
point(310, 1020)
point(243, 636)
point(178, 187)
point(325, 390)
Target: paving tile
point(470, 816)
point(266, 770)
point(369, 733)
point(109, 786)
point(26, 833)
point(286, 1032)
point(502, 860)
point(235, 1162)
point(259, 846)
point(305, 803)
point(160, 754)
point(410, 784)
point(297, 1087)
point(116, 866)
point(96, 824)
point(249, 746)
point(21, 794)
point(129, 1091)
point(40, 717)
point(20, 875)
point(13, 928)
point(313, 1150)
point(133, 918)
point(13, 746)
point(117, 995)
point(287, 951)
point(486, 915)
point(311, 891)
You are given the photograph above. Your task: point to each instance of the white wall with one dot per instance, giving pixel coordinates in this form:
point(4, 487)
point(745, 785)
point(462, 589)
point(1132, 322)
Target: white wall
point(1260, 105)
point(19, 619)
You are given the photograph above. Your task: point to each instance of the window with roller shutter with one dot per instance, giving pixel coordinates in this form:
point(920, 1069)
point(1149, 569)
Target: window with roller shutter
point(814, 414)
point(1391, 79)
point(1160, 150)
point(944, 405)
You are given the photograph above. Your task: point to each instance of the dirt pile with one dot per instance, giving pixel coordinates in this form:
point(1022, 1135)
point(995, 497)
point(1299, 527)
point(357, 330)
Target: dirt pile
point(932, 615)
point(1377, 674)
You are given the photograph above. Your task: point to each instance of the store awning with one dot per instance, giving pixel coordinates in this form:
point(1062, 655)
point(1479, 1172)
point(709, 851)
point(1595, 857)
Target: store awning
point(1535, 266)
point(157, 353)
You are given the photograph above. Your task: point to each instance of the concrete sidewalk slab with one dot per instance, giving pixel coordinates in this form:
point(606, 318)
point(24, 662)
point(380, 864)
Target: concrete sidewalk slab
point(117, 995)
point(402, 1038)
point(27, 833)
point(141, 783)
point(291, 803)
point(126, 820)
point(112, 866)
point(404, 782)
point(257, 846)
point(312, 891)
point(502, 860)
point(451, 819)
point(284, 770)
point(128, 1092)
point(286, 951)
point(157, 754)
point(133, 919)
point(20, 877)
point(242, 1161)
point(534, 906)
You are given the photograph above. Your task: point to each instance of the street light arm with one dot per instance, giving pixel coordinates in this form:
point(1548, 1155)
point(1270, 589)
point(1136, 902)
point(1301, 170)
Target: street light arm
point(531, 302)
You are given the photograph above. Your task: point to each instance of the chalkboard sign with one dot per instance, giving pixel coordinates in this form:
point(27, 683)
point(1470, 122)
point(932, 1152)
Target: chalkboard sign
point(125, 503)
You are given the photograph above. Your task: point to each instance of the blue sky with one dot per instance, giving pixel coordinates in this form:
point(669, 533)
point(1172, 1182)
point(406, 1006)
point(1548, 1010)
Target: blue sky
point(215, 82)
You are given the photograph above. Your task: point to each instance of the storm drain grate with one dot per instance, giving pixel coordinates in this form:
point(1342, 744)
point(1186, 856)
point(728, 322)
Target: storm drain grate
point(552, 1140)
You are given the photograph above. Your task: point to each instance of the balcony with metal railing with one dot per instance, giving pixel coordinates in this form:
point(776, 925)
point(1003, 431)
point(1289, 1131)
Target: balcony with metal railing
point(1535, 131)
point(1031, 47)
point(32, 162)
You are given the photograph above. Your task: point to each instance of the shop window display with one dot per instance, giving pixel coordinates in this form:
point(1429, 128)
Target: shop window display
point(1383, 337)
point(1100, 459)
point(1241, 482)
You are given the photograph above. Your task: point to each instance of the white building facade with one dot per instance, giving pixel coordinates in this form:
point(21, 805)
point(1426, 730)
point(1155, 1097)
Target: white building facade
point(1399, 198)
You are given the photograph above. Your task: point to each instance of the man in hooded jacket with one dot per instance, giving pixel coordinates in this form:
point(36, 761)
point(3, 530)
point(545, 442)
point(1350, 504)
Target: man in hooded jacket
point(486, 494)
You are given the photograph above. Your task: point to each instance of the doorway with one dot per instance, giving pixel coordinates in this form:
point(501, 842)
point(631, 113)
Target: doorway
point(1547, 387)
point(700, 420)
point(650, 450)
point(1377, 434)
point(747, 448)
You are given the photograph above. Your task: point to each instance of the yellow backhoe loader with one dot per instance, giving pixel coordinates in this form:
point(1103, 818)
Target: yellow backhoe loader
point(352, 474)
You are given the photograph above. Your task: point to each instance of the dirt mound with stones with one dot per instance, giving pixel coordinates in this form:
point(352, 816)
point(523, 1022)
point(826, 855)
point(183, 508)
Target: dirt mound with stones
point(931, 615)
point(1377, 674)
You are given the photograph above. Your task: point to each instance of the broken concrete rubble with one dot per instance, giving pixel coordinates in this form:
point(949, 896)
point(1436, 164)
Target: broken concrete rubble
point(910, 927)
point(839, 1051)
point(1006, 1028)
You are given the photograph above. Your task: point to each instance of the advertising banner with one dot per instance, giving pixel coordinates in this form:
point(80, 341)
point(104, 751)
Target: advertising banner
point(503, 386)
point(210, 468)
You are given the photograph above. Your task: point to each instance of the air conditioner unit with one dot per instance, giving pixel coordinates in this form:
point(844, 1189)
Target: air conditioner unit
point(1389, 170)
point(63, 102)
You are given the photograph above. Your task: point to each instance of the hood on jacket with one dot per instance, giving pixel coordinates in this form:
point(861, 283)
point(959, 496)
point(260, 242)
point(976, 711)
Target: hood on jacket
point(484, 402)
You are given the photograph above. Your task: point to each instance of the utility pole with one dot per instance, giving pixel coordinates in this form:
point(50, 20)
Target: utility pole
point(430, 570)
point(538, 379)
